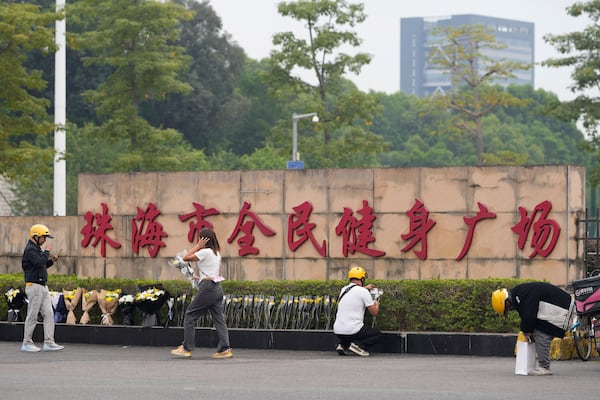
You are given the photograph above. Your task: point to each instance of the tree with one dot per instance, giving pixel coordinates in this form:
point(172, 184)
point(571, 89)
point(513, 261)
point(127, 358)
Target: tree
point(79, 78)
point(581, 52)
point(24, 29)
point(345, 113)
point(562, 141)
point(464, 53)
point(135, 41)
point(210, 113)
point(262, 112)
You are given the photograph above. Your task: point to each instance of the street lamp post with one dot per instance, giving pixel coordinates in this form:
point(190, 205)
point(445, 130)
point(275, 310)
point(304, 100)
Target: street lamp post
point(295, 118)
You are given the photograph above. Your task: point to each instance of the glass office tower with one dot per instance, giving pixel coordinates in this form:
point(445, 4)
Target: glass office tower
point(417, 39)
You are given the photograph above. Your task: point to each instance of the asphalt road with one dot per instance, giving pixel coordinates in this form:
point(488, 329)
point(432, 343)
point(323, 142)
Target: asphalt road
point(93, 372)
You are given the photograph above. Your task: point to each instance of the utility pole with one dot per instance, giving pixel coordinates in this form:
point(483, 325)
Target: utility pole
point(60, 115)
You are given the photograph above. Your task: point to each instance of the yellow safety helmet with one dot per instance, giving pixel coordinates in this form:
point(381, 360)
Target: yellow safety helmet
point(499, 298)
point(39, 230)
point(357, 273)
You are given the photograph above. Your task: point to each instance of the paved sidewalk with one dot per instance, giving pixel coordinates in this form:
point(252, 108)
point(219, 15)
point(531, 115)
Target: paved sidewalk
point(94, 372)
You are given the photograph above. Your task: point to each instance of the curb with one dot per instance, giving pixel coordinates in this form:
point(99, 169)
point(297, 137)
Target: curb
point(432, 343)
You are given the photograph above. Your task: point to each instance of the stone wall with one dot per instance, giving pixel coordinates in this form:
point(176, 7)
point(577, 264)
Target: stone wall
point(449, 195)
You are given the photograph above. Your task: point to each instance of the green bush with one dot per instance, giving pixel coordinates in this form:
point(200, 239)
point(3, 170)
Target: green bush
point(407, 305)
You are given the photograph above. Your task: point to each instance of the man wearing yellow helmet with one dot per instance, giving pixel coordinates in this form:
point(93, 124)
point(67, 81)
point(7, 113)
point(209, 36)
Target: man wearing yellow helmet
point(349, 325)
point(35, 263)
point(545, 312)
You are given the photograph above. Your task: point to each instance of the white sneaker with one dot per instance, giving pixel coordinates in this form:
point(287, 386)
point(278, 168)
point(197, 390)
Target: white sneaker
point(356, 349)
point(540, 371)
point(29, 348)
point(52, 347)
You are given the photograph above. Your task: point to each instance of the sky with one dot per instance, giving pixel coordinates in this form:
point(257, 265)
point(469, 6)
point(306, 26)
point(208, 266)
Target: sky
point(252, 23)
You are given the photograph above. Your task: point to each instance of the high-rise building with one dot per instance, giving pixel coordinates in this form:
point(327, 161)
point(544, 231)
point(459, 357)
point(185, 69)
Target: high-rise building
point(417, 39)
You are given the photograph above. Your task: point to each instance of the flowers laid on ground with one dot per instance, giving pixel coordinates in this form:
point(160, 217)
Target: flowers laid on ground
point(181, 303)
point(149, 299)
point(89, 300)
point(241, 311)
point(151, 294)
point(58, 306)
point(108, 302)
point(127, 307)
point(126, 299)
point(171, 311)
point(16, 299)
point(71, 298)
point(15, 296)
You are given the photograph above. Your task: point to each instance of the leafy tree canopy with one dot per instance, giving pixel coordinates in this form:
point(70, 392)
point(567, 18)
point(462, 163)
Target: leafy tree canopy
point(342, 136)
point(24, 29)
point(579, 50)
point(464, 53)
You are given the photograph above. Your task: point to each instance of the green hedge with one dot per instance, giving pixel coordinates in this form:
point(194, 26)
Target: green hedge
point(407, 305)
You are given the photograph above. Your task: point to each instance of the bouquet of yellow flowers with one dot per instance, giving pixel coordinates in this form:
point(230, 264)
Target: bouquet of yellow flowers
point(149, 299)
point(108, 302)
point(71, 298)
point(89, 300)
point(16, 299)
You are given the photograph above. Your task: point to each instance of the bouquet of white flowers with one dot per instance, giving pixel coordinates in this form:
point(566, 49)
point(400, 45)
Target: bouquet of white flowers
point(376, 293)
point(127, 307)
point(184, 267)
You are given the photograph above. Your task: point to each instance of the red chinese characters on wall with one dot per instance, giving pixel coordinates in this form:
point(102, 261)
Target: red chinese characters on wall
point(471, 222)
point(300, 229)
point(98, 231)
point(356, 231)
point(146, 231)
point(199, 214)
point(419, 226)
point(246, 222)
point(545, 231)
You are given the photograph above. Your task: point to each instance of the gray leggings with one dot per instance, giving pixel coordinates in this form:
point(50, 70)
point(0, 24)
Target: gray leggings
point(208, 299)
point(542, 348)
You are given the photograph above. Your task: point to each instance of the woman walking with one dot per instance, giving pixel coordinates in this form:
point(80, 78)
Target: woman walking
point(207, 254)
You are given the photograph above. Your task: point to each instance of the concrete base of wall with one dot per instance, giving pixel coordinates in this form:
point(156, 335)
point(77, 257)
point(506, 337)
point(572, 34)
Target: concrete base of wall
point(438, 343)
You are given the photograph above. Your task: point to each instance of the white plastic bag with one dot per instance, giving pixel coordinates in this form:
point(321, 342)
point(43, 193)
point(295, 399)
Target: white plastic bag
point(525, 358)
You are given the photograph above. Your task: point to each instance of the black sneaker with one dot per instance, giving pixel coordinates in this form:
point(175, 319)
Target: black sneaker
point(341, 350)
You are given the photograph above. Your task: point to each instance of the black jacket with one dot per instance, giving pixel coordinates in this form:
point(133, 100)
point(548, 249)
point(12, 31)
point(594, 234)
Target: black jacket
point(542, 306)
point(35, 263)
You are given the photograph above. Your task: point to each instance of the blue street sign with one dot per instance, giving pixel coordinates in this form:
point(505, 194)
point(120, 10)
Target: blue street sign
point(295, 165)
